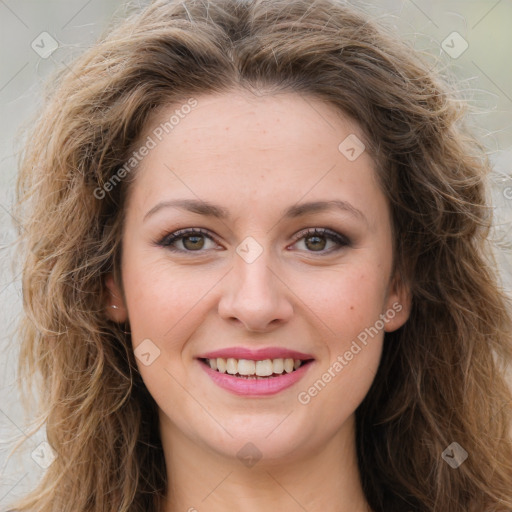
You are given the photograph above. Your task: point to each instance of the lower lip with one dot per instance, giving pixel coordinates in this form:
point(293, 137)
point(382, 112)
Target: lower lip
point(256, 387)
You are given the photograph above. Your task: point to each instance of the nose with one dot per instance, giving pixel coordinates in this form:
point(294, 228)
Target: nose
point(255, 296)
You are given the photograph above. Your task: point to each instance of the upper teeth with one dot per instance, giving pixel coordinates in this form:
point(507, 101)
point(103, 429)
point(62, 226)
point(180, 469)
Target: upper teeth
point(262, 368)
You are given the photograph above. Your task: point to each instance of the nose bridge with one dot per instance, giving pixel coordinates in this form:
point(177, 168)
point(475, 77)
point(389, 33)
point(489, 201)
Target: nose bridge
point(254, 295)
point(255, 278)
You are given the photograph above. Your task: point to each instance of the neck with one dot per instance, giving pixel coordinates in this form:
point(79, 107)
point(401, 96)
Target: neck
point(200, 479)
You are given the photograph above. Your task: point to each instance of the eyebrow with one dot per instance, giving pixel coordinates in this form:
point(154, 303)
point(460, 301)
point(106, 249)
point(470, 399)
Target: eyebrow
point(297, 210)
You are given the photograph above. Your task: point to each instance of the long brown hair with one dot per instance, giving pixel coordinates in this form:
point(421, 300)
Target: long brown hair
point(442, 375)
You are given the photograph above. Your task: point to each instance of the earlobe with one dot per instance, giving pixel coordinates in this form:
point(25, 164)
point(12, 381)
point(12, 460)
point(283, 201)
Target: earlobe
point(398, 305)
point(114, 304)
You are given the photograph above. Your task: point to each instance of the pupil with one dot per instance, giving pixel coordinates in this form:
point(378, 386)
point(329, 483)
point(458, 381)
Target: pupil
point(194, 239)
point(317, 238)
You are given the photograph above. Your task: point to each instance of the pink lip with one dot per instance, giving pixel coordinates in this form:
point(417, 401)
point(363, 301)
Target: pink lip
point(255, 387)
point(256, 355)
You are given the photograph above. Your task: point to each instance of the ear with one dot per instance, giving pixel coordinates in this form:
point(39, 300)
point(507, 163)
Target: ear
point(114, 303)
point(398, 304)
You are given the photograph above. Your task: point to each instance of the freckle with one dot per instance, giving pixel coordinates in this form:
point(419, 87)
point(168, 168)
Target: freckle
point(351, 307)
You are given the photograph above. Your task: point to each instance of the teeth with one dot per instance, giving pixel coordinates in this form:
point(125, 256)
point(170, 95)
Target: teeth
point(288, 365)
point(279, 365)
point(220, 363)
point(232, 366)
point(264, 368)
point(247, 367)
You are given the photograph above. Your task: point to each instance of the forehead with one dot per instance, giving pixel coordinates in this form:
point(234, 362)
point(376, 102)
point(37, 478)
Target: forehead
point(233, 117)
point(254, 149)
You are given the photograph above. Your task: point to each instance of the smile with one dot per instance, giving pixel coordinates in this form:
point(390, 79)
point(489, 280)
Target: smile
point(250, 369)
point(248, 377)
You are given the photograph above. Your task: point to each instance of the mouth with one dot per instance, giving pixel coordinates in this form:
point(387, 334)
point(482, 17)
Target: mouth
point(255, 373)
point(250, 369)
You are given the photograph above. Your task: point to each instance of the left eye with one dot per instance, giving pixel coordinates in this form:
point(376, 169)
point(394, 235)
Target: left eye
point(316, 239)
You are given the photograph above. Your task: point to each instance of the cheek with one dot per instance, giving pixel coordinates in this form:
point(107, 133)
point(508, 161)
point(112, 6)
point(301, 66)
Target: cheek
point(347, 300)
point(350, 306)
point(161, 298)
point(349, 303)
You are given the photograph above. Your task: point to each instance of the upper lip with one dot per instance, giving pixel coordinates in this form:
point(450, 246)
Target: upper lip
point(256, 354)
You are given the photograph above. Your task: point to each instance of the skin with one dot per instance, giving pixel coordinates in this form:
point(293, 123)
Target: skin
point(257, 156)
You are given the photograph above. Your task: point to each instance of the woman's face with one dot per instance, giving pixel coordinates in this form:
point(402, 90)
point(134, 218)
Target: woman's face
point(257, 175)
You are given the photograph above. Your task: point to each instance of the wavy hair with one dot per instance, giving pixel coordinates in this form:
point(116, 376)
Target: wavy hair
point(442, 376)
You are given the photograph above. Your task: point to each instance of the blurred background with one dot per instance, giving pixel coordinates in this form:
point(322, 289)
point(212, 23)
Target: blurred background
point(470, 40)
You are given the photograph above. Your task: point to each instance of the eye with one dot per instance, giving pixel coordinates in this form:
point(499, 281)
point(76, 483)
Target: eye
point(194, 240)
point(191, 240)
point(316, 240)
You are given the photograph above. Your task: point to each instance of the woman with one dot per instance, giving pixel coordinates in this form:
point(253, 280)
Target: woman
point(257, 273)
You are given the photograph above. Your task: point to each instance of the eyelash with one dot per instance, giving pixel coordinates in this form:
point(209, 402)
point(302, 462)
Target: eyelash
point(340, 239)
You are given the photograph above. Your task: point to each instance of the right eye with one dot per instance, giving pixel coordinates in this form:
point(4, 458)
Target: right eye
point(191, 239)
